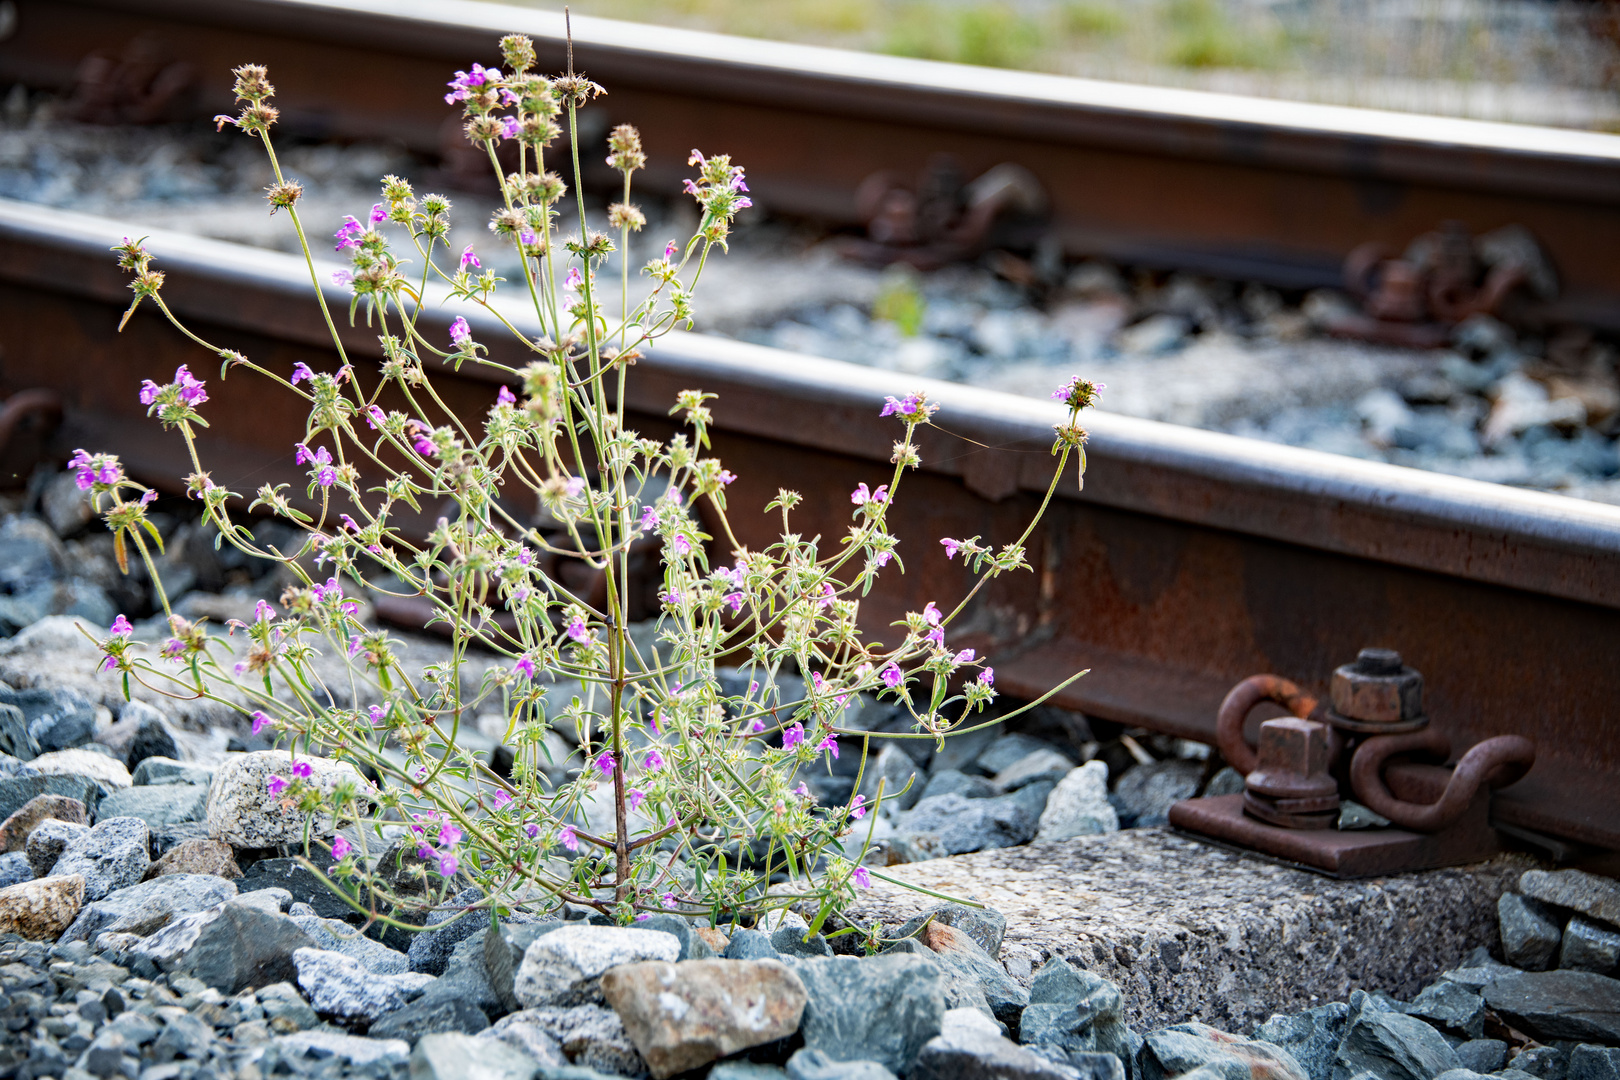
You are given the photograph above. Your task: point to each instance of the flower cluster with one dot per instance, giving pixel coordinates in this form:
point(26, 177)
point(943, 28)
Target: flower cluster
point(536, 529)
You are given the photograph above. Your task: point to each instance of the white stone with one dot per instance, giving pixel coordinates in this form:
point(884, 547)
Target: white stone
point(106, 771)
point(243, 813)
point(565, 966)
point(1079, 805)
point(341, 986)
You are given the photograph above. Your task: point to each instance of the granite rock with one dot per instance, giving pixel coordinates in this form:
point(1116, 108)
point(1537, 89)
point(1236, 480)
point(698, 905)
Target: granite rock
point(14, 831)
point(244, 947)
point(1589, 946)
point(1545, 1062)
point(1390, 1045)
point(750, 945)
point(808, 1064)
point(242, 812)
point(1071, 1009)
point(197, 857)
point(969, 1048)
point(953, 782)
point(15, 741)
point(57, 719)
point(285, 1008)
point(420, 1018)
point(590, 1036)
point(430, 950)
point(315, 1047)
point(879, 1009)
point(165, 770)
point(1079, 805)
point(1597, 898)
point(157, 805)
point(339, 937)
point(1530, 931)
point(18, 789)
point(520, 1030)
point(153, 737)
point(693, 947)
point(111, 856)
point(1576, 1005)
point(15, 869)
point(41, 909)
point(1148, 791)
point(682, 1016)
point(901, 779)
point(958, 952)
point(149, 905)
point(1482, 1055)
point(48, 840)
point(1191, 931)
point(340, 986)
point(1177, 1050)
point(108, 772)
point(985, 925)
point(503, 953)
point(466, 980)
point(956, 824)
point(1588, 1062)
point(1041, 766)
point(1312, 1037)
point(305, 887)
point(458, 1056)
point(565, 966)
point(1452, 1007)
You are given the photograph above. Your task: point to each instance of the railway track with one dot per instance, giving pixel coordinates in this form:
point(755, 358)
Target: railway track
point(1190, 561)
point(1243, 188)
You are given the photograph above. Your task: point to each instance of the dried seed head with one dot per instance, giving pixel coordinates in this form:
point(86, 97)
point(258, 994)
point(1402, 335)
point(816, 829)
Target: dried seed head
point(623, 215)
point(284, 196)
point(625, 144)
point(481, 129)
point(252, 83)
point(539, 130)
point(518, 52)
point(577, 89)
point(508, 222)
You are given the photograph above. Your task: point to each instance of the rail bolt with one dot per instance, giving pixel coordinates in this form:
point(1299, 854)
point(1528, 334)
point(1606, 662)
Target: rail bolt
point(1294, 758)
point(1377, 689)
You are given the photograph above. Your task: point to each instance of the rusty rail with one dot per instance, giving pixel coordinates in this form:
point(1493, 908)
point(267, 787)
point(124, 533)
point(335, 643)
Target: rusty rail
point(1240, 187)
point(1190, 560)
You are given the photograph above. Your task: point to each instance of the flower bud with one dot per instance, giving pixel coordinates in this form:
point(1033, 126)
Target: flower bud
point(625, 216)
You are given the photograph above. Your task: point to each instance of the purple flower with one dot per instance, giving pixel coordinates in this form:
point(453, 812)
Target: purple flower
point(354, 646)
point(827, 596)
point(469, 261)
point(376, 713)
point(635, 797)
point(340, 848)
point(524, 666)
point(829, 745)
point(261, 721)
point(891, 675)
point(860, 496)
point(263, 612)
point(348, 234)
point(504, 396)
point(500, 799)
point(532, 830)
point(988, 676)
point(951, 547)
point(449, 835)
point(737, 181)
point(881, 559)
point(568, 839)
point(302, 454)
point(669, 251)
point(936, 635)
point(669, 901)
point(857, 807)
point(374, 417)
point(576, 629)
point(605, 762)
point(173, 648)
point(792, 736)
point(734, 601)
point(460, 332)
point(965, 656)
point(121, 625)
point(696, 158)
point(726, 477)
point(448, 864)
point(742, 203)
point(863, 877)
point(300, 373)
point(575, 485)
point(649, 519)
point(681, 544)
point(574, 280)
point(275, 786)
point(511, 127)
point(149, 392)
point(931, 614)
point(653, 760)
point(302, 770)
point(901, 406)
point(191, 389)
point(379, 213)
point(342, 277)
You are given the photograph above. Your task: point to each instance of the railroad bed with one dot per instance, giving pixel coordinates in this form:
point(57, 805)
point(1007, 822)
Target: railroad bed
point(1239, 188)
point(1189, 561)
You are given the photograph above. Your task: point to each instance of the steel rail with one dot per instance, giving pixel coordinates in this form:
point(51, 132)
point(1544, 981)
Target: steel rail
point(1243, 187)
point(1189, 561)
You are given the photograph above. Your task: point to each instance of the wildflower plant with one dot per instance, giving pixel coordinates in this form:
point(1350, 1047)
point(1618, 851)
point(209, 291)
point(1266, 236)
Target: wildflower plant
point(701, 787)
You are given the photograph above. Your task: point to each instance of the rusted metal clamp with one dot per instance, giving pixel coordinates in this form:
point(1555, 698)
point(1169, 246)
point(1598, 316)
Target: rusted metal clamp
point(1495, 762)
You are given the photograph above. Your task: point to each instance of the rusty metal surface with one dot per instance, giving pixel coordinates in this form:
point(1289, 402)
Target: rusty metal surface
point(1340, 854)
point(1189, 561)
point(1241, 187)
